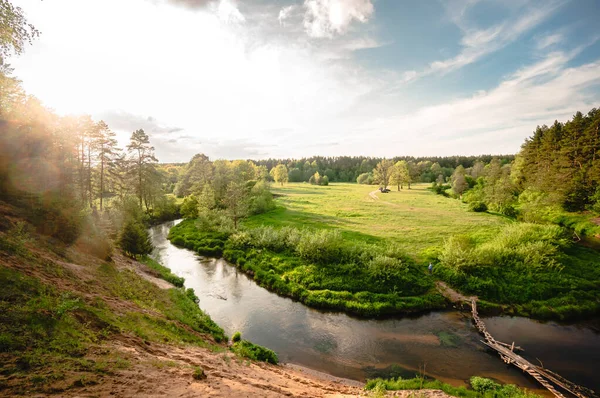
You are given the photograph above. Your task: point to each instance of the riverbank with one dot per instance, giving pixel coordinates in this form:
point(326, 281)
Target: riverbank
point(75, 325)
point(361, 349)
point(343, 248)
point(321, 269)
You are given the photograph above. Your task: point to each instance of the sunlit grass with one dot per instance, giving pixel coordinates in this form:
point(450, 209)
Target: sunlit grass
point(414, 219)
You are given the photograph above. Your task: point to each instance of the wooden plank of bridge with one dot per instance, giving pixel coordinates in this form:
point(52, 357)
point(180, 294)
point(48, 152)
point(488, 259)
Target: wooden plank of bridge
point(543, 376)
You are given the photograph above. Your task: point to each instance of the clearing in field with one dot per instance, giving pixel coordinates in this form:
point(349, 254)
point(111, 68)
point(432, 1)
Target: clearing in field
point(415, 219)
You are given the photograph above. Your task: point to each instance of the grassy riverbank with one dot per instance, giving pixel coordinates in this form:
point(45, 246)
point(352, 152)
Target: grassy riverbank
point(69, 319)
point(346, 248)
point(480, 388)
point(321, 268)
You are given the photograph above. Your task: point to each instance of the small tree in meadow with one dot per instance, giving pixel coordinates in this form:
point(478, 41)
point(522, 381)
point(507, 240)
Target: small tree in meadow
point(280, 174)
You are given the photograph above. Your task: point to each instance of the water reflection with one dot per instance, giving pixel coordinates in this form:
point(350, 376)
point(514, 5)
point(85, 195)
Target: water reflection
point(444, 343)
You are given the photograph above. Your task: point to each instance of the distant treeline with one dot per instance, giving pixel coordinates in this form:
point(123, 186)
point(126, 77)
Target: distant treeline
point(348, 168)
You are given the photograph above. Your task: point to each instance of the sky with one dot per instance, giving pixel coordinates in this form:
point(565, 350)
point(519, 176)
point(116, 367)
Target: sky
point(257, 79)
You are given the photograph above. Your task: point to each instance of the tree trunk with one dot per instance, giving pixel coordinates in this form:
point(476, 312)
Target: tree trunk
point(89, 175)
point(140, 177)
point(101, 176)
point(81, 166)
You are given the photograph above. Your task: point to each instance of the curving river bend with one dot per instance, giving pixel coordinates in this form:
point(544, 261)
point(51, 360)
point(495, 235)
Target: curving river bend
point(445, 344)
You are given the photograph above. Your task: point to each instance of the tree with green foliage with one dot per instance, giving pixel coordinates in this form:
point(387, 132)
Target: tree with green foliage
point(143, 160)
point(189, 207)
point(195, 175)
point(295, 175)
point(15, 31)
point(382, 172)
point(280, 174)
point(236, 201)
point(400, 174)
point(458, 181)
point(106, 147)
point(134, 239)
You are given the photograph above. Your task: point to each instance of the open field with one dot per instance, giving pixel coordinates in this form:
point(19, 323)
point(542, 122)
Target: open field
point(414, 219)
point(350, 247)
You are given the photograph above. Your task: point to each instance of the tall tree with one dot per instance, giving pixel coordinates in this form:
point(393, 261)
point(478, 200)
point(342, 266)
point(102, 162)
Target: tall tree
point(383, 172)
point(400, 174)
point(236, 201)
point(143, 160)
point(15, 31)
point(459, 182)
point(196, 174)
point(280, 174)
point(106, 146)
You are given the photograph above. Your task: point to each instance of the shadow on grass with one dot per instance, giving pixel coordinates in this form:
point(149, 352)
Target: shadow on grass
point(284, 217)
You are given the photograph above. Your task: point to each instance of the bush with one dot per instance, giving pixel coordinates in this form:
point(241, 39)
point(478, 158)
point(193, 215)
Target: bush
point(198, 373)
point(440, 189)
point(483, 385)
point(191, 294)
point(261, 199)
point(237, 336)
point(365, 178)
point(246, 349)
point(189, 207)
point(58, 217)
point(478, 207)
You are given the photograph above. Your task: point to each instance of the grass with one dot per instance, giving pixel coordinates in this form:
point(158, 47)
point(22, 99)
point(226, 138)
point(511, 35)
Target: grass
point(336, 247)
point(52, 321)
point(414, 219)
point(163, 272)
point(246, 349)
point(321, 268)
point(481, 387)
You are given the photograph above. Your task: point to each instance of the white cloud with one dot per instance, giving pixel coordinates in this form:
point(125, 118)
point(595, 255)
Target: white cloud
point(285, 13)
point(496, 121)
point(228, 12)
point(326, 18)
point(477, 43)
point(549, 40)
point(232, 89)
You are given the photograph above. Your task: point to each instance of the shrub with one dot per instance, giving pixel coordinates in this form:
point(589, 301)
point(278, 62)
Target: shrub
point(134, 239)
point(365, 178)
point(246, 349)
point(198, 373)
point(483, 385)
point(189, 292)
point(261, 199)
point(237, 336)
point(478, 207)
point(189, 207)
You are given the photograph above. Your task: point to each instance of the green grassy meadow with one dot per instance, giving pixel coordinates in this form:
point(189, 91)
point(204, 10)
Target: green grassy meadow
point(351, 248)
point(414, 219)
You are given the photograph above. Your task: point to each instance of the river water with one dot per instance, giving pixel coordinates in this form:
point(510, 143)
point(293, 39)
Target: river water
point(443, 345)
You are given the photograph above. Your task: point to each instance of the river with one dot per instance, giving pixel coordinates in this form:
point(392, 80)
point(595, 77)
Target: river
point(443, 345)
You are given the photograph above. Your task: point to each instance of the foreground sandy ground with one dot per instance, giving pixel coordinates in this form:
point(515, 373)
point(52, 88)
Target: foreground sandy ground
point(161, 370)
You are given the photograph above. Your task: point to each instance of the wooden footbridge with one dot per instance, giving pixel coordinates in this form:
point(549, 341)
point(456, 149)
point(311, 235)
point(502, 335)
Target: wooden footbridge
point(545, 377)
